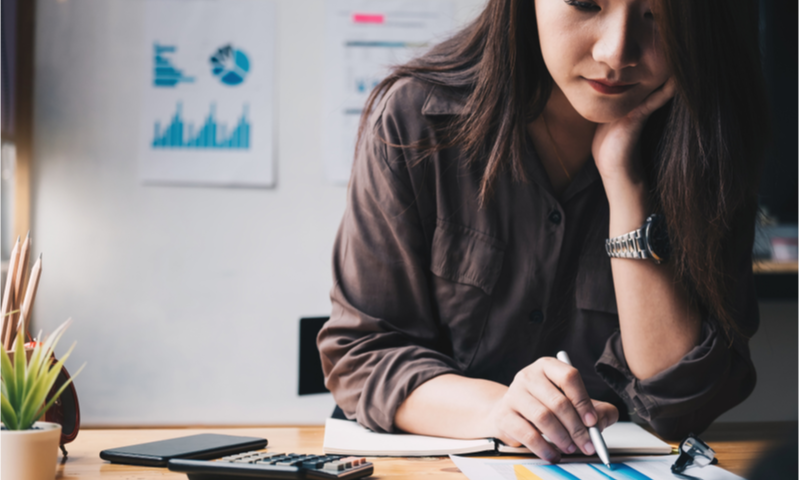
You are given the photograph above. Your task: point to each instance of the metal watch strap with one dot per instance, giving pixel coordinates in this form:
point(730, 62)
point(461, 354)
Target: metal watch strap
point(630, 245)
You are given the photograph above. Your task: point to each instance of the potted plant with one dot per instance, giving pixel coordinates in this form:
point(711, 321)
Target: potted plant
point(30, 447)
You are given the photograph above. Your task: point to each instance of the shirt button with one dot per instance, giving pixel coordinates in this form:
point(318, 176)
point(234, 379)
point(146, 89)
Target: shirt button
point(555, 217)
point(536, 316)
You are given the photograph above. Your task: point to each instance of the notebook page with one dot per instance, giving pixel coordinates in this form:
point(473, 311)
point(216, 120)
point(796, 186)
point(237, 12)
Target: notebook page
point(345, 437)
point(622, 437)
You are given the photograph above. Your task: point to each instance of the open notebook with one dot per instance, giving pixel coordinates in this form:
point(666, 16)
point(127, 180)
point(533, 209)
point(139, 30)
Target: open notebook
point(344, 437)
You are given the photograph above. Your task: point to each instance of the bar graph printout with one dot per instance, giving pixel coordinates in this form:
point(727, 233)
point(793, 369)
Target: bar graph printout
point(622, 468)
point(207, 80)
point(179, 134)
point(363, 39)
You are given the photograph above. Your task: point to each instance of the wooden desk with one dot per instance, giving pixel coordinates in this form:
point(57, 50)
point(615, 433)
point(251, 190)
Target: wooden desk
point(737, 447)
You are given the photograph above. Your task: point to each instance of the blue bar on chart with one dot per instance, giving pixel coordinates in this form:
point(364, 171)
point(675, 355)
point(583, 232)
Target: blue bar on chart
point(211, 135)
point(165, 74)
point(620, 471)
point(577, 471)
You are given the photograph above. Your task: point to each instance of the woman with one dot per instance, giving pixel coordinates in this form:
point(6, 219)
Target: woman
point(490, 173)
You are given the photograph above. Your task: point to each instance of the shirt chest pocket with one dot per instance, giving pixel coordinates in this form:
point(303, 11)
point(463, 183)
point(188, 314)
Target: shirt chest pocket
point(466, 265)
point(594, 285)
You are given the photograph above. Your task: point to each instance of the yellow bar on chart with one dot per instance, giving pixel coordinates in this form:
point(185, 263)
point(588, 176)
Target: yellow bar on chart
point(523, 473)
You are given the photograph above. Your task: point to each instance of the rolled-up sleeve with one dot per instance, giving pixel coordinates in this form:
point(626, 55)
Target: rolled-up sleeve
point(713, 377)
point(383, 339)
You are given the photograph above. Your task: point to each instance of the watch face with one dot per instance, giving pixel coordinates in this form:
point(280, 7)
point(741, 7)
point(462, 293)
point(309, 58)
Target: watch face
point(658, 238)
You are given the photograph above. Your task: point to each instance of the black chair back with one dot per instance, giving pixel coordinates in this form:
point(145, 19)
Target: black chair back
point(311, 380)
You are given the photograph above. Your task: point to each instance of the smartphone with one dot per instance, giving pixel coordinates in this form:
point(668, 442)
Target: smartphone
point(203, 446)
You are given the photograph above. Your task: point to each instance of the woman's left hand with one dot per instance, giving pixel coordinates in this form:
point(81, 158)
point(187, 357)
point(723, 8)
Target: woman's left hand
point(615, 144)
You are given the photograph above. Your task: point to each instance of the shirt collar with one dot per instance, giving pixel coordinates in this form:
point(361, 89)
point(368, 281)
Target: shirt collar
point(442, 101)
point(446, 101)
point(584, 178)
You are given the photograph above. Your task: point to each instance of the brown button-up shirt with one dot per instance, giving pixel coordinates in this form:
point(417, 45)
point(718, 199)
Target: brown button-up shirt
point(427, 282)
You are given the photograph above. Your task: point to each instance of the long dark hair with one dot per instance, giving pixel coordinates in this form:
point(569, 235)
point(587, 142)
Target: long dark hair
point(705, 146)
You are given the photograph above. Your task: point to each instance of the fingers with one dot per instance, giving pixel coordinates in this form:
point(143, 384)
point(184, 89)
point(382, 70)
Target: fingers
point(608, 414)
point(545, 419)
point(569, 381)
point(517, 428)
point(565, 429)
point(657, 99)
point(547, 402)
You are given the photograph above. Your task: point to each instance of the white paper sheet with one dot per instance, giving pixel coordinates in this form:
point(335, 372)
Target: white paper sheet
point(620, 438)
point(350, 438)
point(207, 82)
point(347, 437)
point(623, 468)
point(363, 38)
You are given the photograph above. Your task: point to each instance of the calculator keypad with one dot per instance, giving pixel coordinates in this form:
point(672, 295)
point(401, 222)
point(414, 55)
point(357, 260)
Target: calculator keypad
point(277, 465)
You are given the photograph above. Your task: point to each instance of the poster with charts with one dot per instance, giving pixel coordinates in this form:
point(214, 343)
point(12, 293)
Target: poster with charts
point(208, 76)
point(363, 39)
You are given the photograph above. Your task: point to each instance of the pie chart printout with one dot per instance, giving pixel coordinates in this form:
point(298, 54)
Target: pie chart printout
point(230, 65)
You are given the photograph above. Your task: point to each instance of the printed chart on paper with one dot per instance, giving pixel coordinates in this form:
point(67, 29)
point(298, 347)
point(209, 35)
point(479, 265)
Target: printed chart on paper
point(207, 114)
point(363, 39)
point(622, 468)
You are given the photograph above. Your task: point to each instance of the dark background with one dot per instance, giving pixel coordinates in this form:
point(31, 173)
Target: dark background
point(778, 27)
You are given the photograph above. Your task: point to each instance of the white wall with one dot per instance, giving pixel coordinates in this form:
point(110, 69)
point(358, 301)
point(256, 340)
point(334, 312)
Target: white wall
point(185, 300)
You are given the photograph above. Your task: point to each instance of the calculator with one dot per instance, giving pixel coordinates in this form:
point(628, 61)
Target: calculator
point(261, 464)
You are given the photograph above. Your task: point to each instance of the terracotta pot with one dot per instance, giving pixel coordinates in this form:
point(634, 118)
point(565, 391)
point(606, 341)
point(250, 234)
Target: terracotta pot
point(30, 454)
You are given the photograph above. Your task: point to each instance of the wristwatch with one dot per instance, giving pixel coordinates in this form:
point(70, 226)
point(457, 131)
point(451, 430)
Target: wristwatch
point(649, 241)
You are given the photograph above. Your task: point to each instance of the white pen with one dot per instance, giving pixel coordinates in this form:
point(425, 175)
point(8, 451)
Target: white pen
point(597, 437)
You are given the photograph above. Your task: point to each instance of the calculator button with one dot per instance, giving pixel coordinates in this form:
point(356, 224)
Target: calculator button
point(335, 466)
point(352, 461)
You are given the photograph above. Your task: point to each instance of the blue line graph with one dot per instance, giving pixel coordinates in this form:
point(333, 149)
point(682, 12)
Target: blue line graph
point(211, 135)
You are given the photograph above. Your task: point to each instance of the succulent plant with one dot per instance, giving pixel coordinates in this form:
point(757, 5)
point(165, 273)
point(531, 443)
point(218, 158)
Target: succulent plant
point(26, 383)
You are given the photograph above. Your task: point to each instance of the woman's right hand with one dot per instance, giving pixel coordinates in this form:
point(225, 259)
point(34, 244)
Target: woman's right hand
point(548, 398)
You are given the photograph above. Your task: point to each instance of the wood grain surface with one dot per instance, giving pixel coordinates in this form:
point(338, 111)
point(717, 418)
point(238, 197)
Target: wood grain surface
point(738, 446)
